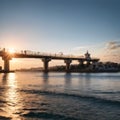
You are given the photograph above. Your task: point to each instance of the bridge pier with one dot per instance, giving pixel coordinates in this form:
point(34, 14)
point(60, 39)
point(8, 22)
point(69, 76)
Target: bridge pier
point(81, 63)
point(6, 59)
point(67, 62)
point(45, 62)
point(88, 63)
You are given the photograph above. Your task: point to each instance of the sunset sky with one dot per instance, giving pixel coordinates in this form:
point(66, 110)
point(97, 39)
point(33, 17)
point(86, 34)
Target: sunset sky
point(68, 26)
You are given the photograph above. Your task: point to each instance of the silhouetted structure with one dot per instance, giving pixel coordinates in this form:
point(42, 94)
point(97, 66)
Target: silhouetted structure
point(46, 58)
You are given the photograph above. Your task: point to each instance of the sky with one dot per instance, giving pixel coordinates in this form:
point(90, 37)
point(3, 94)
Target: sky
point(54, 26)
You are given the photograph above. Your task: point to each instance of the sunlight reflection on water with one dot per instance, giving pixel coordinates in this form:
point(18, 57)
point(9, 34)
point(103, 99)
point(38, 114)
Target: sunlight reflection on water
point(12, 96)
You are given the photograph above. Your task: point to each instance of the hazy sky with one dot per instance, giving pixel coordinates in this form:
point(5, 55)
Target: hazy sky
point(68, 26)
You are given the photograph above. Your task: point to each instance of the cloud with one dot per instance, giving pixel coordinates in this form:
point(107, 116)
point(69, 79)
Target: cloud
point(113, 45)
point(80, 47)
point(111, 51)
point(86, 47)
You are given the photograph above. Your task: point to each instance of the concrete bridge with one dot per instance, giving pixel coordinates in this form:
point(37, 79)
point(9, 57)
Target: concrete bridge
point(46, 58)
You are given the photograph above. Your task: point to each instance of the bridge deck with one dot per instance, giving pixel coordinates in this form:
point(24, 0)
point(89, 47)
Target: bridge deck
point(45, 55)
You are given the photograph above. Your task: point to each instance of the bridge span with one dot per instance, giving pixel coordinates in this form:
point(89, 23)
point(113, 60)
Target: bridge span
point(46, 58)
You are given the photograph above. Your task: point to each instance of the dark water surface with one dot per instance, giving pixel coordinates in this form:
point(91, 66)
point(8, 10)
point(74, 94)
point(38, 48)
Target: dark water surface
point(59, 96)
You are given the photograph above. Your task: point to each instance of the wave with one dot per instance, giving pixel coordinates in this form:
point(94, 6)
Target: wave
point(5, 118)
point(78, 96)
point(46, 115)
point(111, 92)
point(1, 101)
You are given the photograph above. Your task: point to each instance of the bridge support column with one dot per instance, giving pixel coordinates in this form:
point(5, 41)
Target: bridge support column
point(88, 63)
point(45, 62)
point(6, 63)
point(67, 62)
point(81, 63)
point(94, 65)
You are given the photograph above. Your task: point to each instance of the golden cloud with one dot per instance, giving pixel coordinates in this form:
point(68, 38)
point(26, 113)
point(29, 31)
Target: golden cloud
point(113, 45)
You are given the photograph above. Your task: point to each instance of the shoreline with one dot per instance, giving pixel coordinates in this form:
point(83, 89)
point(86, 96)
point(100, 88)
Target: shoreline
point(13, 71)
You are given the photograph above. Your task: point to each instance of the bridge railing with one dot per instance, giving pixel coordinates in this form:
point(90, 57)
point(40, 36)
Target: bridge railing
point(34, 53)
point(61, 55)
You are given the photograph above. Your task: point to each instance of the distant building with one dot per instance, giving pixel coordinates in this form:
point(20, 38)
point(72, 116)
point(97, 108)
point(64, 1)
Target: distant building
point(0, 68)
point(107, 66)
point(87, 55)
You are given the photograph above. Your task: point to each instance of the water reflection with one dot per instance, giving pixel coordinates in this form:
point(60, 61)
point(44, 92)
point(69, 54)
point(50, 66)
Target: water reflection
point(12, 96)
point(88, 80)
point(68, 80)
point(45, 77)
point(45, 81)
point(67, 77)
point(4, 79)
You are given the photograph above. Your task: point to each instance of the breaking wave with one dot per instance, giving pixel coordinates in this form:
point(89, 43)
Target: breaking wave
point(78, 96)
point(46, 115)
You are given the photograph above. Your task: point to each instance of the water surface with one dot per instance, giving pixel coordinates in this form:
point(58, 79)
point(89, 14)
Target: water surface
point(59, 96)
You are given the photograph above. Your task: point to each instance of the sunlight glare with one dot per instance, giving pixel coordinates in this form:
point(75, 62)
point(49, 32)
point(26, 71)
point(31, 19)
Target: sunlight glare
point(11, 50)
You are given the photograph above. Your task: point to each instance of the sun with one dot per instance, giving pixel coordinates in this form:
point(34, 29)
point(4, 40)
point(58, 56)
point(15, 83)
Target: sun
point(11, 50)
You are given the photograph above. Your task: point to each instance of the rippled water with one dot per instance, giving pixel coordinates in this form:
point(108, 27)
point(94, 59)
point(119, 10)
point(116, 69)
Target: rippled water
point(59, 96)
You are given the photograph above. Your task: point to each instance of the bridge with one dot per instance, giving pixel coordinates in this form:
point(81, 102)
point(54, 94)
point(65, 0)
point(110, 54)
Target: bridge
point(45, 57)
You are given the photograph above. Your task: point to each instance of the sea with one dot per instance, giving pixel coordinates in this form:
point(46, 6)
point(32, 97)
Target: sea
point(59, 96)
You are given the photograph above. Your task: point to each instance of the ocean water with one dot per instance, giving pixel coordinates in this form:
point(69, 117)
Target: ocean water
point(59, 96)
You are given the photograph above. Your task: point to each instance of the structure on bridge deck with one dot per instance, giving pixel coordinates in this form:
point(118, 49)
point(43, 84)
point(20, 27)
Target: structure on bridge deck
point(46, 58)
